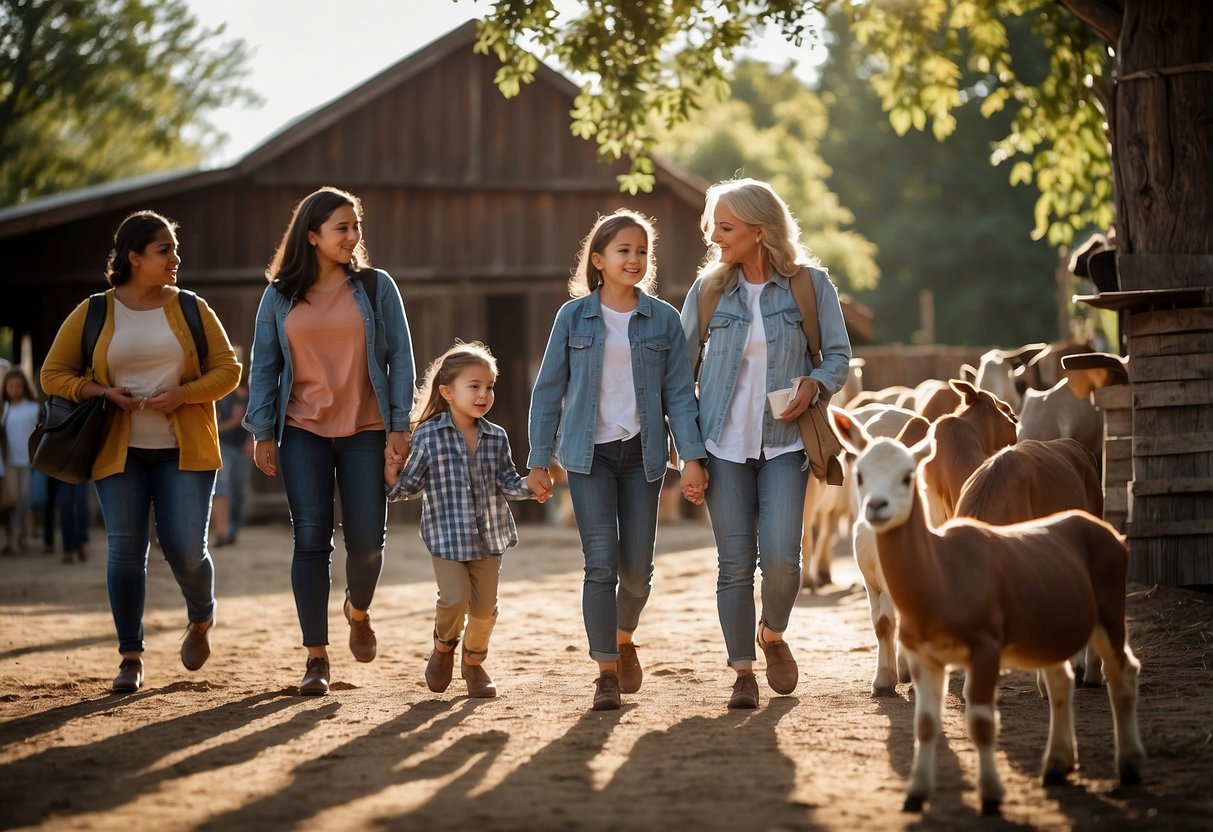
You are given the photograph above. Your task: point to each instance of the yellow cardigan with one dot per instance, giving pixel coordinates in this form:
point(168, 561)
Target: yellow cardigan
point(63, 374)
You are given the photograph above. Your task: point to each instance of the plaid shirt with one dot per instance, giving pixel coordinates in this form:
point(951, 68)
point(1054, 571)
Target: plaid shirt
point(464, 513)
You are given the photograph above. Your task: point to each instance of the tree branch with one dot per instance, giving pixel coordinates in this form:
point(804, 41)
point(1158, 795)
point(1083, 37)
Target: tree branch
point(1104, 16)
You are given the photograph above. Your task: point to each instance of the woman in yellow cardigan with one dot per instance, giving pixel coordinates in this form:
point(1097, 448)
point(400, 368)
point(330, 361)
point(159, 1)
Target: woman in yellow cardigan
point(161, 444)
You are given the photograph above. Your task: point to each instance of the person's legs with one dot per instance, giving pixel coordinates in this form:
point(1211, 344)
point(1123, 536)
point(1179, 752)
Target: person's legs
point(182, 500)
point(359, 461)
point(307, 464)
point(732, 502)
point(484, 578)
point(220, 504)
point(638, 503)
point(125, 506)
point(454, 592)
point(596, 507)
point(781, 487)
point(73, 518)
point(238, 485)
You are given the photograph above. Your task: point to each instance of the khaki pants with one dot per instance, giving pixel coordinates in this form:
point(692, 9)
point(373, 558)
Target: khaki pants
point(467, 588)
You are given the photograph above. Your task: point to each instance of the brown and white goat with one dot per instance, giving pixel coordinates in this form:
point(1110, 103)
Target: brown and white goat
point(982, 597)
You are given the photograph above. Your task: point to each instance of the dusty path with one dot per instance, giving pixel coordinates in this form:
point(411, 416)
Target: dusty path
point(232, 747)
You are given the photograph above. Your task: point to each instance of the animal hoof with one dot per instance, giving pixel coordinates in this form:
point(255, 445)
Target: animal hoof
point(913, 804)
point(1054, 778)
point(884, 691)
point(1130, 776)
point(991, 808)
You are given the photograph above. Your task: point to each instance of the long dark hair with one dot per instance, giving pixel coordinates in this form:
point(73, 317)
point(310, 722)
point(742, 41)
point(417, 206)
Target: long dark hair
point(134, 234)
point(293, 270)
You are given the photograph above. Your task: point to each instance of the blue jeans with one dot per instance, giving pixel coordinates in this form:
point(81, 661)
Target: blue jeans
point(757, 511)
point(616, 510)
point(182, 500)
point(232, 482)
point(72, 501)
point(311, 465)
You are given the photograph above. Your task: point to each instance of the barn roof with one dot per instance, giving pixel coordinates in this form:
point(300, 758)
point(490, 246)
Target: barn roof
point(77, 204)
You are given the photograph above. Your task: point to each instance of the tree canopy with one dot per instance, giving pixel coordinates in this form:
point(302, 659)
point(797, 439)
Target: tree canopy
point(94, 90)
point(653, 62)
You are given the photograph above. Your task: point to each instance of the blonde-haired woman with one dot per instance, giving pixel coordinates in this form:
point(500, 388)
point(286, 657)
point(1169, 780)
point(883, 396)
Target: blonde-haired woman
point(756, 345)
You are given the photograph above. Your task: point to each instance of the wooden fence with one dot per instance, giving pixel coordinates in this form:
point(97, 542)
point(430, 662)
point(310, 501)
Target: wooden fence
point(888, 364)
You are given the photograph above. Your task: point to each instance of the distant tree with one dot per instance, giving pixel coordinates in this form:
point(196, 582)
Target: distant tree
point(94, 90)
point(771, 128)
point(941, 217)
point(647, 59)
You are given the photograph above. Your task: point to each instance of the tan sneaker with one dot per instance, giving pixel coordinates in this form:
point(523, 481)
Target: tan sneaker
point(606, 691)
point(745, 692)
point(196, 647)
point(362, 638)
point(782, 673)
point(631, 674)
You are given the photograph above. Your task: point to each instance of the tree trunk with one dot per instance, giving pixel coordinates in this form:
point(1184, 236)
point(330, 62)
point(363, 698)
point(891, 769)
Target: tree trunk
point(1162, 144)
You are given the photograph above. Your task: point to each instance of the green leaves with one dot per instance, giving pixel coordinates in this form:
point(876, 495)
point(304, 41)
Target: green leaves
point(95, 91)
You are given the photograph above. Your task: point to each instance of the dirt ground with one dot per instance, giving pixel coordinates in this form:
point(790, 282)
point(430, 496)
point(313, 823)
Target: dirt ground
point(232, 746)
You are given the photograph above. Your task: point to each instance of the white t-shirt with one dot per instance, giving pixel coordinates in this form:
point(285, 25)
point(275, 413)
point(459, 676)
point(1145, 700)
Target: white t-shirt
point(144, 356)
point(618, 416)
point(741, 432)
point(19, 422)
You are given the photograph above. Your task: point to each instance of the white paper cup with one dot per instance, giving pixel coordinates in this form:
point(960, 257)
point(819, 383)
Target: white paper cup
point(778, 400)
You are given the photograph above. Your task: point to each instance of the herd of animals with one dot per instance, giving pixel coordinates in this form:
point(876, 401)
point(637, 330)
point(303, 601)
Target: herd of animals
point(974, 507)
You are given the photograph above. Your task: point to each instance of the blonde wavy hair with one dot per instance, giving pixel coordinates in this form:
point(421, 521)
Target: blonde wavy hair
point(586, 277)
point(756, 204)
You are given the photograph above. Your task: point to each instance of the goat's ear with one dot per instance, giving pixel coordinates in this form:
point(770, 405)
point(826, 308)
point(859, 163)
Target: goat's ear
point(852, 435)
point(966, 389)
point(968, 373)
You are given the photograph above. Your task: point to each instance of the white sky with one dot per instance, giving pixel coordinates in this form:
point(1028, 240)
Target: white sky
point(291, 39)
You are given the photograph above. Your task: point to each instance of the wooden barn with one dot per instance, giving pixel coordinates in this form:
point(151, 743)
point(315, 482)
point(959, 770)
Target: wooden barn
point(474, 204)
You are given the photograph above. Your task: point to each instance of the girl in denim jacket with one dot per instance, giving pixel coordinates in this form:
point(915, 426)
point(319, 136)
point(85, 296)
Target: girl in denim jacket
point(614, 371)
point(330, 386)
point(756, 346)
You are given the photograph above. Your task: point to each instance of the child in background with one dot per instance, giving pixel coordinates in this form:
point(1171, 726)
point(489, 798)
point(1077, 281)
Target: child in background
point(463, 463)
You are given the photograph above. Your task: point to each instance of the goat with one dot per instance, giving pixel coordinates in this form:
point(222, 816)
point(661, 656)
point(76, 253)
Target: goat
point(981, 425)
point(981, 597)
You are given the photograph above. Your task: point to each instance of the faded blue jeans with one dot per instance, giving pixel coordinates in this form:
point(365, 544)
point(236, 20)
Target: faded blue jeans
point(757, 510)
point(182, 500)
point(616, 510)
point(311, 467)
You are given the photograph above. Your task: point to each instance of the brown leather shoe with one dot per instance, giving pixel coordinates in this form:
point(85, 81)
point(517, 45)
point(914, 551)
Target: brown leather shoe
point(745, 692)
point(480, 684)
point(631, 674)
point(315, 680)
point(130, 676)
point(606, 691)
point(782, 673)
point(196, 648)
point(362, 637)
point(438, 670)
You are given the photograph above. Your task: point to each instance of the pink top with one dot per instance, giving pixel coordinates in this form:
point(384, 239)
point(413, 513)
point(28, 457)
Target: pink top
point(331, 395)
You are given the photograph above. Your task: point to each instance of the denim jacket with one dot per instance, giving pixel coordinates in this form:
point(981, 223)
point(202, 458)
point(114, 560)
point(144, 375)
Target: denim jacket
point(566, 392)
point(787, 348)
point(389, 353)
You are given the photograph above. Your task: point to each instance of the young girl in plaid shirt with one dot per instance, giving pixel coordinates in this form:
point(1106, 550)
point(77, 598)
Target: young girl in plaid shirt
point(462, 463)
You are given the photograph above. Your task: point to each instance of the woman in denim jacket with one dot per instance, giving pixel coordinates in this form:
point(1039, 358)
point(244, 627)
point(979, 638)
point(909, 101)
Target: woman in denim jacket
point(615, 369)
point(756, 458)
point(330, 387)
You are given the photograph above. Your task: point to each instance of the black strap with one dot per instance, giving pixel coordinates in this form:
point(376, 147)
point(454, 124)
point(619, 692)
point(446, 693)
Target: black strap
point(189, 307)
point(369, 278)
point(93, 323)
